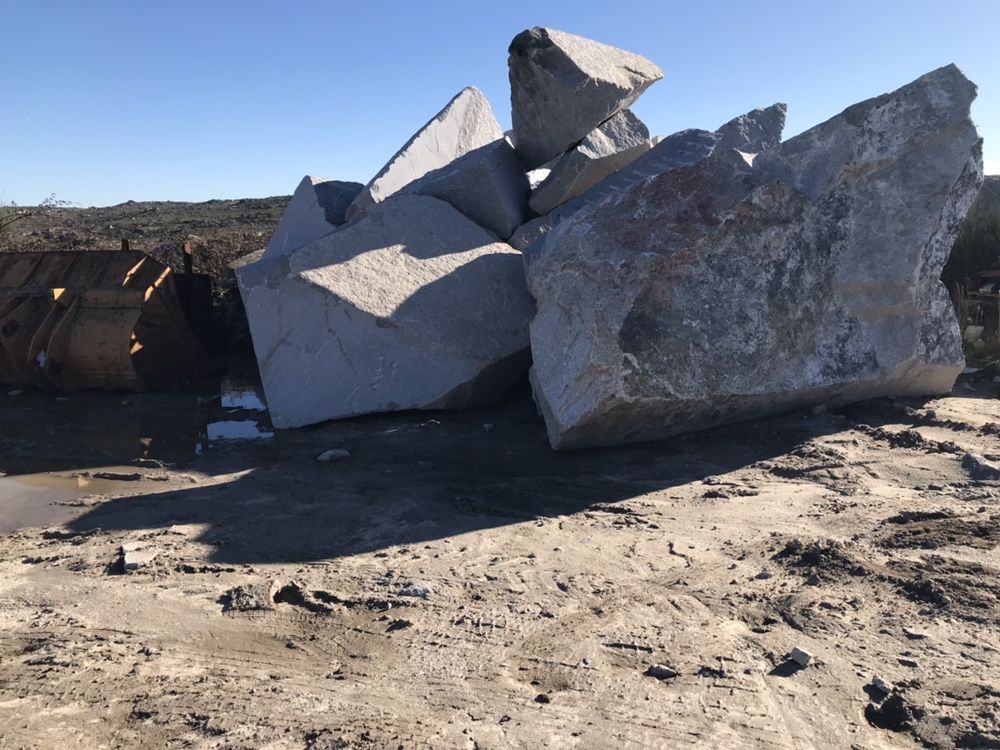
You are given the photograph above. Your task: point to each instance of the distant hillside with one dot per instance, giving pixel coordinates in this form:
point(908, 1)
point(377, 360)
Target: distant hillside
point(219, 232)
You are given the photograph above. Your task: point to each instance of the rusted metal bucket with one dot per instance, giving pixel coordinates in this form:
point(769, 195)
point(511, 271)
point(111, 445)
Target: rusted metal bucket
point(93, 319)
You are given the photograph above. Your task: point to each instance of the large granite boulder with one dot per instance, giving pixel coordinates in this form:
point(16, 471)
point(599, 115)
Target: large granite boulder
point(488, 185)
point(562, 86)
point(738, 287)
point(413, 306)
point(752, 132)
point(317, 208)
point(612, 145)
point(465, 124)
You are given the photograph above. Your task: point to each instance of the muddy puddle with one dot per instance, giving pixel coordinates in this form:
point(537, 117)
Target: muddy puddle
point(49, 498)
point(57, 449)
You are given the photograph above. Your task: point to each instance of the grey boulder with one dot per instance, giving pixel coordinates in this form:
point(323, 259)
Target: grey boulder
point(745, 287)
point(756, 131)
point(760, 128)
point(413, 306)
point(562, 86)
point(488, 185)
point(465, 124)
point(612, 145)
point(317, 208)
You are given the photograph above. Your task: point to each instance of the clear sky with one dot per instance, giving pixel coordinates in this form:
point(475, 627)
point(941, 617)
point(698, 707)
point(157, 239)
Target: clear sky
point(104, 101)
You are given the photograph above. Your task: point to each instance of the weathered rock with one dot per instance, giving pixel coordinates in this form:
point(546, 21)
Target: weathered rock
point(742, 287)
point(755, 131)
point(412, 307)
point(135, 555)
point(317, 208)
point(800, 656)
point(563, 86)
point(334, 454)
point(669, 153)
point(979, 467)
point(488, 185)
point(612, 145)
point(465, 124)
point(661, 672)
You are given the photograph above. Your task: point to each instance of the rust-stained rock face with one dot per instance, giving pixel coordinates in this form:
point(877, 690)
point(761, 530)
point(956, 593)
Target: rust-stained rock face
point(738, 287)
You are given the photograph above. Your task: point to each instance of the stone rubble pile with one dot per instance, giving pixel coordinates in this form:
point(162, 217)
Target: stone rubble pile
point(654, 285)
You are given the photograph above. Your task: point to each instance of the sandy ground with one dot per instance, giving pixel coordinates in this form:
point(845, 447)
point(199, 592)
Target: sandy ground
point(455, 584)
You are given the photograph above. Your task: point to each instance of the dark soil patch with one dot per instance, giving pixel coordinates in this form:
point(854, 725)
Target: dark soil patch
point(933, 529)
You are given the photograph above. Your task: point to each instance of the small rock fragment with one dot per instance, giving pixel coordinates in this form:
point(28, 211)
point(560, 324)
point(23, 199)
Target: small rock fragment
point(418, 590)
point(979, 467)
point(800, 656)
point(133, 556)
point(880, 683)
point(249, 597)
point(661, 672)
point(334, 454)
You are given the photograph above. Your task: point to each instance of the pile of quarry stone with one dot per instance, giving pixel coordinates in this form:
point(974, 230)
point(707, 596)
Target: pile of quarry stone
point(654, 285)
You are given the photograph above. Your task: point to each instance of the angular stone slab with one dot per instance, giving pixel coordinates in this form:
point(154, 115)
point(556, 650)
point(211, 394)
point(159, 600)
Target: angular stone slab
point(465, 124)
point(562, 86)
point(412, 307)
point(761, 127)
point(317, 208)
point(488, 185)
point(746, 287)
point(608, 148)
point(756, 131)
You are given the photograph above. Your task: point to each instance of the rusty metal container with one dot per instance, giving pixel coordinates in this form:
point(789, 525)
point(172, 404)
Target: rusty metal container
point(110, 320)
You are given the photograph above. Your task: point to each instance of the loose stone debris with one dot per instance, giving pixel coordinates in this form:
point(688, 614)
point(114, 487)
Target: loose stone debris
point(800, 656)
point(669, 284)
point(334, 454)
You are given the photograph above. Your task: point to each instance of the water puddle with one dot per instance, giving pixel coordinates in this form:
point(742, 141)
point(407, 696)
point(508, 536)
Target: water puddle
point(47, 499)
point(58, 448)
point(235, 394)
point(232, 429)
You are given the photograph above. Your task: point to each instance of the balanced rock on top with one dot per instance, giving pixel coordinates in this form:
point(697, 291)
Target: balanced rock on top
point(562, 86)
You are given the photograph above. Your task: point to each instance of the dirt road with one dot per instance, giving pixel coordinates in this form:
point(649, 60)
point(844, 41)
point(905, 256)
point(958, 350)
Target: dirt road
point(452, 583)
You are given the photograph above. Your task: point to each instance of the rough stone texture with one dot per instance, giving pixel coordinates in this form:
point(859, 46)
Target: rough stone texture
point(466, 123)
point(412, 307)
point(488, 185)
point(756, 131)
point(742, 287)
point(614, 144)
point(669, 153)
point(317, 208)
point(563, 86)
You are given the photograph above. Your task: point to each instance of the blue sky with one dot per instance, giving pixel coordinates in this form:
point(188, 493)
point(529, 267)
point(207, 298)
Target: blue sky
point(108, 101)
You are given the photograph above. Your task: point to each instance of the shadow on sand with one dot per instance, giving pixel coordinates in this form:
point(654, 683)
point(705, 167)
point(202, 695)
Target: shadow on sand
point(416, 477)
